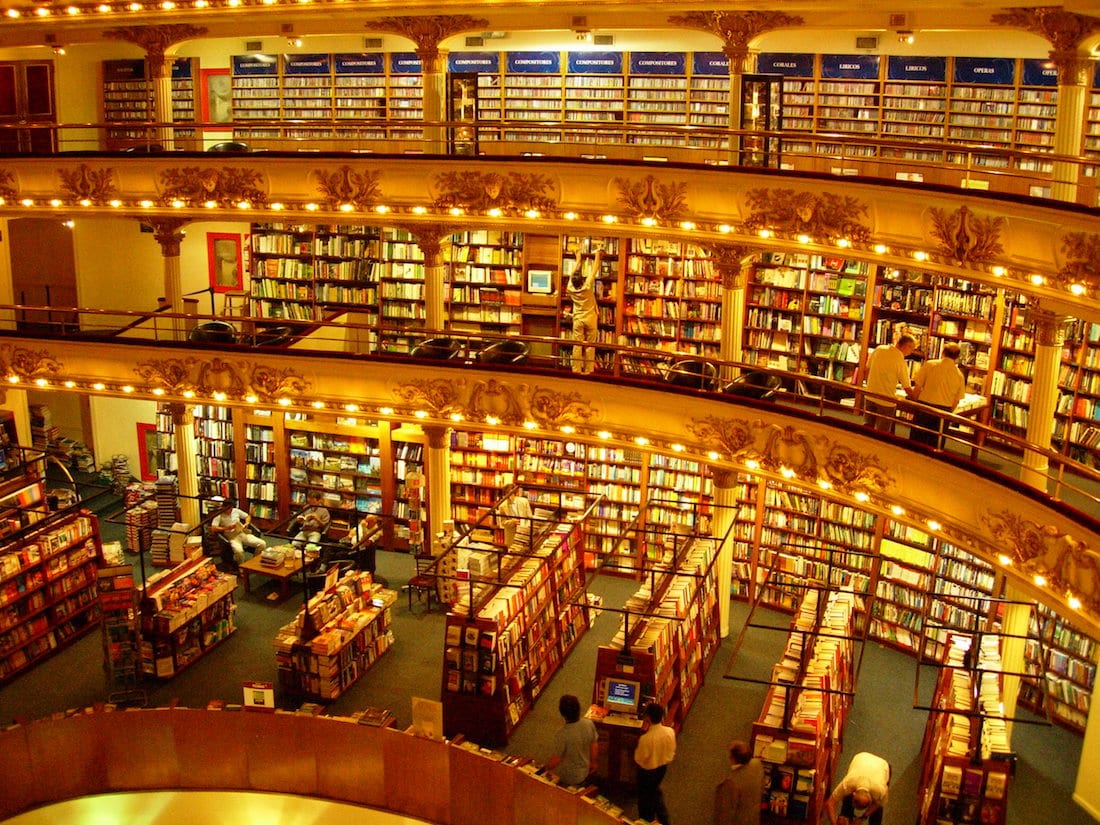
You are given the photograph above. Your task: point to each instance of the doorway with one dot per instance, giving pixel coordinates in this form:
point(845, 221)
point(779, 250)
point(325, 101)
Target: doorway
point(27, 99)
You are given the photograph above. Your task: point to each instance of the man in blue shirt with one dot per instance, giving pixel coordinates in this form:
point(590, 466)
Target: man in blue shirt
point(575, 744)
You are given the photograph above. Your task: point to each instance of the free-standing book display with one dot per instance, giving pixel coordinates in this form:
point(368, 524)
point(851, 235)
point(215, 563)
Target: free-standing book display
point(118, 600)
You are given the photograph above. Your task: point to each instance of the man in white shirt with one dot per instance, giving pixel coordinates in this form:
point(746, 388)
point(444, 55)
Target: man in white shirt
point(860, 795)
point(656, 748)
point(231, 525)
point(940, 384)
point(886, 370)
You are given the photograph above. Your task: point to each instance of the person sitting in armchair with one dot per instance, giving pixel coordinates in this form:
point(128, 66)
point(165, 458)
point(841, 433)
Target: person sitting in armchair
point(313, 521)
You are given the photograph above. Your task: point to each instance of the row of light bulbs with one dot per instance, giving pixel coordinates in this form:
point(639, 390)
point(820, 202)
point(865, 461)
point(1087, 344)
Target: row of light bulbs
point(76, 10)
point(750, 464)
point(919, 256)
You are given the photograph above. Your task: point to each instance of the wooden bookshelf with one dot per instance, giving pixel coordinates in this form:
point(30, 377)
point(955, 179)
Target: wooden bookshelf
point(186, 611)
point(405, 94)
point(215, 456)
point(1063, 665)
point(119, 601)
point(261, 469)
point(482, 465)
point(1077, 421)
point(608, 284)
point(127, 96)
point(255, 87)
point(359, 93)
point(510, 631)
point(48, 579)
point(485, 275)
point(353, 621)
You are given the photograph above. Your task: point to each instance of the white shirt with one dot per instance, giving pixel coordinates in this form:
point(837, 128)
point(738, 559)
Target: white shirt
point(886, 368)
point(940, 383)
point(866, 771)
point(656, 747)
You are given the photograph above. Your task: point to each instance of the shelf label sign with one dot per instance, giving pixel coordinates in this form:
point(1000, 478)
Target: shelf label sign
point(373, 63)
point(710, 63)
point(474, 62)
point(307, 64)
point(920, 69)
point(658, 63)
point(595, 62)
point(1039, 72)
point(405, 63)
point(788, 65)
point(259, 696)
point(1000, 71)
point(116, 70)
point(255, 64)
point(534, 62)
point(851, 66)
point(181, 68)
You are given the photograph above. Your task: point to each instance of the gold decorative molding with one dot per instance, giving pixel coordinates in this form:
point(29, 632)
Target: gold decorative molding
point(156, 40)
point(27, 363)
point(431, 238)
point(512, 404)
point(168, 232)
point(823, 217)
point(650, 198)
point(226, 186)
point(1064, 30)
point(207, 376)
point(428, 32)
point(778, 448)
point(729, 260)
point(514, 192)
point(1050, 327)
point(966, 238)
point(1070, 567)
point(736, 29)
point(361, 189)
point(1082, 266)
point(7, 185)
point(85, 183)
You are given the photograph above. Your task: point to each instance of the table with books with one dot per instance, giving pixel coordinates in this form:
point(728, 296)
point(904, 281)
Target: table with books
point(281, 563)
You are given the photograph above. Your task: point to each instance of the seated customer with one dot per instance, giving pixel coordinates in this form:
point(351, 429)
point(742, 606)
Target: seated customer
point(313, 521)
point(231, 525)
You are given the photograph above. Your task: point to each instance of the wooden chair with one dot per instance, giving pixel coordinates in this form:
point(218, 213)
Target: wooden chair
point(424, 582)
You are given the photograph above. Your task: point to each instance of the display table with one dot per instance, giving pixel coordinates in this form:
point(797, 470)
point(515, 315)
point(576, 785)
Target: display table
point(618, 737)
point(284, 573)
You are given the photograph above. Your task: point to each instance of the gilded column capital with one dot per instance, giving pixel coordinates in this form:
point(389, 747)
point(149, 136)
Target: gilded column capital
point(168, 232)
point(729, 260)
point(428, 32)
point(438, 435)
point(1074, 67)
point(156, 40)
point(724, 478)
point(736, 29)
point(1050, 327)
point(431, 238)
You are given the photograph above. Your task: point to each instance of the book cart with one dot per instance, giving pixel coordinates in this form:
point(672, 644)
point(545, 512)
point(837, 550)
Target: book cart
point(966, 764)
point(336, 638)
point(666, 641)
point(512, 623)
point(799, 731)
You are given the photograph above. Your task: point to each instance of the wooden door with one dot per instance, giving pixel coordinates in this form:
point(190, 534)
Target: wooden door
point(27, 99)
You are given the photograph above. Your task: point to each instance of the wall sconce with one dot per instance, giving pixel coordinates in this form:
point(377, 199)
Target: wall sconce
point(294, 42)
point(907, 37)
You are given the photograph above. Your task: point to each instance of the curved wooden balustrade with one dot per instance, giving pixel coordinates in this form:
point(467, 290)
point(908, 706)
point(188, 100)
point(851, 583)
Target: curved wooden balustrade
point(333, 758)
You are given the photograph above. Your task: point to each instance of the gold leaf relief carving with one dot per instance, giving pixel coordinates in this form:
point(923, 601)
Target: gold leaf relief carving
point(1064, 30)
point(437, 395)
point(550, 408)
point(428, 31)
point(156, 40)
point(965, 237)
point(7, 185)
point(85, 183)
point(736, 28)
point(1082, 265)
point(345, 185)
point(735, 437)
point(217, 375)
point(514, 192)
point(496, 399)
point(226, 186)
point(28, 363)
point(650, 198)
point(171, 374)
point(511, 403)
point(847, 469)
point(824, 216)
point(729, 259)
point(268, 382)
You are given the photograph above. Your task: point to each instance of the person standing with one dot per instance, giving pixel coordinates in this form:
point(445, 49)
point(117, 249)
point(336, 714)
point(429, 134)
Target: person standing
point(940, 384)
point(886, 369)
point(738, 797)
point(231, 524)
point(861, 794)
point(582, 293)
point(575, 744)
point(656, 749)
point(313, 521)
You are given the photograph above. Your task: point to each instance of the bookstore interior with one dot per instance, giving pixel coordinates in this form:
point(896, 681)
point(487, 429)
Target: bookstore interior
point(414, 375)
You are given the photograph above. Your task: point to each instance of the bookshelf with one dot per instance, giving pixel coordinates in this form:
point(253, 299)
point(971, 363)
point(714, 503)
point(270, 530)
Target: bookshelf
point(306, 91)
point(128, 97)
point(485, 275)
point(532, 91)
point(282, 271)
point(593, 92)
point(966, 765)
point(401, 291)
point(166, 440)
point(215, 458)
point(1063, 668)
point(1091, 138)
point(508, 633)
point(800, 727)
point(353, 620)
point(255, 89)
point(616, 473)
point(1077, 422)
point(359, 93)
point(901, 305)
point(482, 465)
point(48, 579)
point(405, 94)
point(849, 95)
point(119, 604)
point(261, 482)
point(186, 611)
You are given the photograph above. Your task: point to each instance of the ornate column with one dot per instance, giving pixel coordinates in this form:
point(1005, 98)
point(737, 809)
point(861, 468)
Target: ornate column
point(187, 478)
point(725, 511)
point(1014, 624)
point(438, 464)
point(729, 260)
point(433, 241)
point(736, 30)
point(169, 233)
point(427, 33)
point(1065, 31)
point(1049, 340)
point(156, 40)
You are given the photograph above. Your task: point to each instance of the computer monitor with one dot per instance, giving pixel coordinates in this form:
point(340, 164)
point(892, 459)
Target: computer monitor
point(622, 696)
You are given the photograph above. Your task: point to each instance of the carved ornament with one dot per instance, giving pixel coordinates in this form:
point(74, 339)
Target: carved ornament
point(85, 183)
point(736, 29)
point(226, 186)
point(361, 189)
point(777, 448)
point(511, 403)
point(966, 238)
point(729, 260)
point(168, 232)
point(513, 193)
point(1070, 567)
point(27, 363)
point(7, 185)
point(156, 40)
point(1082, 265)
point(428, 32)
point(210, 375)
point(173, 375)
point(822, 217)
point(649, 198)
point(430, 237)
point(1064, 30)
